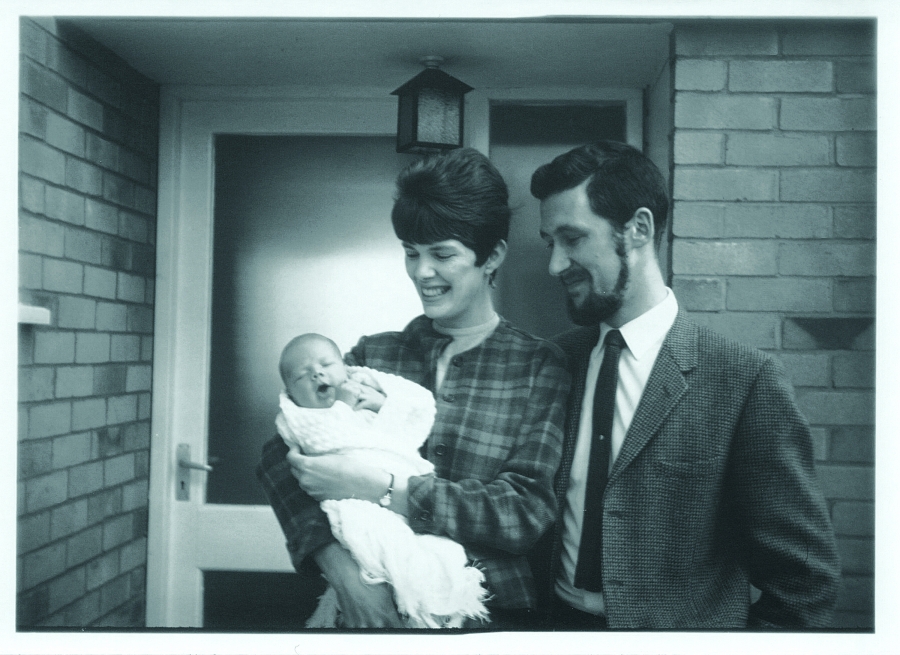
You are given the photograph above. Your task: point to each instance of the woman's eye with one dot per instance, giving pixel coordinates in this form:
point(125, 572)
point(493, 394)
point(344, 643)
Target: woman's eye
point(411, 254)
point(442, 257)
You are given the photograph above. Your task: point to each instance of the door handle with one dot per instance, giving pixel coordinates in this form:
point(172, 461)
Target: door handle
point(183, 476)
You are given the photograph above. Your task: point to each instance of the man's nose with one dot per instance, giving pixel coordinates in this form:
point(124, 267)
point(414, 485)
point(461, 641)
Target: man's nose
point(559, 261)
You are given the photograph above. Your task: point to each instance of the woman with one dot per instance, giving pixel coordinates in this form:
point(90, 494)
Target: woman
point(500, 395)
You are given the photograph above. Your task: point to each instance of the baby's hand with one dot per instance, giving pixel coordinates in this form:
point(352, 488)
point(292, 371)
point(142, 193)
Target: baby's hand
point(369, 398)
point(363, 376)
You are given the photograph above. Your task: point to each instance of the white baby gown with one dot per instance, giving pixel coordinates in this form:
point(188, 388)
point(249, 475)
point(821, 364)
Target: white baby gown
point(433, 584)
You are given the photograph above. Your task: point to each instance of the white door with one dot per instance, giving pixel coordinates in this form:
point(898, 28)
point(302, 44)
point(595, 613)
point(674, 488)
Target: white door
point(195, 527)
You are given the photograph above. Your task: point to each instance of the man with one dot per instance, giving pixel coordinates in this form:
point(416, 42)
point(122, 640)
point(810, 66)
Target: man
point(691, 477)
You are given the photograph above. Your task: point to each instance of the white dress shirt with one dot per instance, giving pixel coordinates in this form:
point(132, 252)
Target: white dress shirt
point(643, 337)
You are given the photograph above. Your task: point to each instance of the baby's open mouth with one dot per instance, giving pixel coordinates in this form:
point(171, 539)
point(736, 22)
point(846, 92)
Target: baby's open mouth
point(323, 388)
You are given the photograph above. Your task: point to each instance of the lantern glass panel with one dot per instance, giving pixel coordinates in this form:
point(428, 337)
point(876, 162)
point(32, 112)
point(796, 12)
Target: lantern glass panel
point(439, 120)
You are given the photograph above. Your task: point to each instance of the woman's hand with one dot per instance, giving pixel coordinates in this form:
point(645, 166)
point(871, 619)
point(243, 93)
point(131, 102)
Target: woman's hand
point(362, 605)
point(335, 477)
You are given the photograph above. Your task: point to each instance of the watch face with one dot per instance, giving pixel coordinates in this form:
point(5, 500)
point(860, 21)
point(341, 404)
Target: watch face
point(385, 500)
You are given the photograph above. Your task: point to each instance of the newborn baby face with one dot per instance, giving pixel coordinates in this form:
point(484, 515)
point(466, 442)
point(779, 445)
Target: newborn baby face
point(314, 373)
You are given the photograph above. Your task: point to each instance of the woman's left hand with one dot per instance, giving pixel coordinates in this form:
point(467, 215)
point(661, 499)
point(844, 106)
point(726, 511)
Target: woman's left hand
point(335, 477)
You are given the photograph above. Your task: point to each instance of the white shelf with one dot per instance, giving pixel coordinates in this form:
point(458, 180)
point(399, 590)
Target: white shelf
point(34, 315)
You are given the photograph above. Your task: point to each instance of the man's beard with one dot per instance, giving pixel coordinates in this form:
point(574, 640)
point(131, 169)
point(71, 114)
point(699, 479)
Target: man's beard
point(598, 307)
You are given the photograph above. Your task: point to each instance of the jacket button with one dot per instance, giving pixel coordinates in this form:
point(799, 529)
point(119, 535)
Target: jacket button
point(440, 450)
point(457, 361)
point(425, 515)
point(449, 397)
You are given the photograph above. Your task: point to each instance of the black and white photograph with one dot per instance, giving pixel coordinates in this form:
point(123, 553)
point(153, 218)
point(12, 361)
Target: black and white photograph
point(515, 327)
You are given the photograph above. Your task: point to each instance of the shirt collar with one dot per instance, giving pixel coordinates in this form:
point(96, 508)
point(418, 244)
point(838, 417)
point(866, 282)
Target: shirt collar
point(650, 328)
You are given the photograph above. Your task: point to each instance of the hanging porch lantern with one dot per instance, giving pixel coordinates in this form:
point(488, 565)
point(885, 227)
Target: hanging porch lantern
point(430, 113)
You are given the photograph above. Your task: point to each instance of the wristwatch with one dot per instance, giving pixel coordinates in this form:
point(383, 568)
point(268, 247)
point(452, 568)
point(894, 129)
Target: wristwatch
point(385, 500)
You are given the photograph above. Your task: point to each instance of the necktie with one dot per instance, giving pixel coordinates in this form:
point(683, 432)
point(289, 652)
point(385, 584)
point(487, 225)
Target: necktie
point(589, 571)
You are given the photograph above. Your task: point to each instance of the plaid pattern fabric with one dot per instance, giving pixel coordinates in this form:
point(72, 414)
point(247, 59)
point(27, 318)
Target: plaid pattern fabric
point(496, 445)
point(714, 488)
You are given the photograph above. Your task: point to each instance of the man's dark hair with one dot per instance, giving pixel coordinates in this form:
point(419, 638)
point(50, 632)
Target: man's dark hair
point(623, 179)
point(459, 195)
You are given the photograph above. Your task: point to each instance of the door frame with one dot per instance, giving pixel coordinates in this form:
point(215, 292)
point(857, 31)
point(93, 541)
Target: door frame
point(190, 117)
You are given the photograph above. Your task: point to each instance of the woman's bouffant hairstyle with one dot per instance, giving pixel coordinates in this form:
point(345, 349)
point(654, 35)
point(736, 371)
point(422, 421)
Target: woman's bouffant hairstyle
point(458, 195)
point(623, 180)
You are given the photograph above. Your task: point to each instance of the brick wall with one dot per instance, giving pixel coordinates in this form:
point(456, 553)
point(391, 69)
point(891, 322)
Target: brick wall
point(87, 158)
point(774, 234)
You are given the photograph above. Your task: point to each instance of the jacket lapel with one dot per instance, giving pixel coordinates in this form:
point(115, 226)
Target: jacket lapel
point(665, 387)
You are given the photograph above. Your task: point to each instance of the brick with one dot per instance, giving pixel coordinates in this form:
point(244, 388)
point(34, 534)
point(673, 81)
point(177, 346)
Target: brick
point(700, 294)
point(41, 236)
point(143, 258)
point(32, 118)
point(31, 607)
point(65, 135)
point(105, 504)
point(35, 383)
point(855, 519)
point(785, 221)
point(85, 546)
point(783, 76)
point(85, 110)
point(31, 269)
point(779, 294)
point(43, 564)
point(856, 593)
point(65, 206)
point(826, 258)
point(102, 570)
point(753, 149)
point(117, 531)
point(111, 317)
point(41, 161)
point(865, 340)
point(853, 444)
point(118, 190)
point(125, 348)
point(725, 39)
point(145, 200)
point(837, 38)
point(85, 478)
point(101, 216)
point(121, 409)
point(758, 330)
point(854, 370)
point(76, 313)
point(130, 287)
point(117, 254)
point(147, 349)
point(139, 378)
point(31, 195)
point(101, 283)
point(109, 380)
point(142, 467)
point(102, 152)
point(856, 149)
point(820, 443)
point(87, 414)
point(133, 555)
point(840, 482)
point(807, 369)
point(700, 75)
point(699, 147)
point(133, 226)
point(113, 595)
point(43, 85)
point(33, 41)
point(740, 184)
point(45, 491)
point(135, 167)
point(838, 407)
point(83, 177)
point(110, 441)
point(84, 246)
point(68, 519)
point(68, 64)
point(35, 458)
point(91, 348)
point(140, 319)
point(73, 381)
point(828, 185)
point(135, 495)
point(32, 532)
point(857, 555)
point(62, 276)
point(71, 450)
point(49, 419)
point(144, 406)
point(827, 114)
point(854, 222)
point(854, 76)
point(854, 295)
point(136, 436)
point(724, 257)
point(83, 611)
point(54, 347)
point(66, 589)
point(714, 111)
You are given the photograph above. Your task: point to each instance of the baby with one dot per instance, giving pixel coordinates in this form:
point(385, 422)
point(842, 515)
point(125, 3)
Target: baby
point(327, 407)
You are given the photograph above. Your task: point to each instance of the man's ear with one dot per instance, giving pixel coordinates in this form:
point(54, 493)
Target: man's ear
point(640, 228)
point(495, 259)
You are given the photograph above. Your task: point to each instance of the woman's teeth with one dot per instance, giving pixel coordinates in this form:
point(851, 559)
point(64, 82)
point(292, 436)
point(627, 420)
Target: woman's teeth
point(433, 292)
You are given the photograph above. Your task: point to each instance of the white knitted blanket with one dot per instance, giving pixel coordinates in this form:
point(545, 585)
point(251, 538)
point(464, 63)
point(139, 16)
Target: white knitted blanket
point(434, 587)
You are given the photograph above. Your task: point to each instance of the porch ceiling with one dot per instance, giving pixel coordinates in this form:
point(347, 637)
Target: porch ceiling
point(482, 53)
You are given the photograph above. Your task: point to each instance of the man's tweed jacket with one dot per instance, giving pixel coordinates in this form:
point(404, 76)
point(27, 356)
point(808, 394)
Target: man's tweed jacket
point(714, 488)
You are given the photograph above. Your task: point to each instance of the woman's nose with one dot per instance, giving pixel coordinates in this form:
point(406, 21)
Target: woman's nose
point(423, 269)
